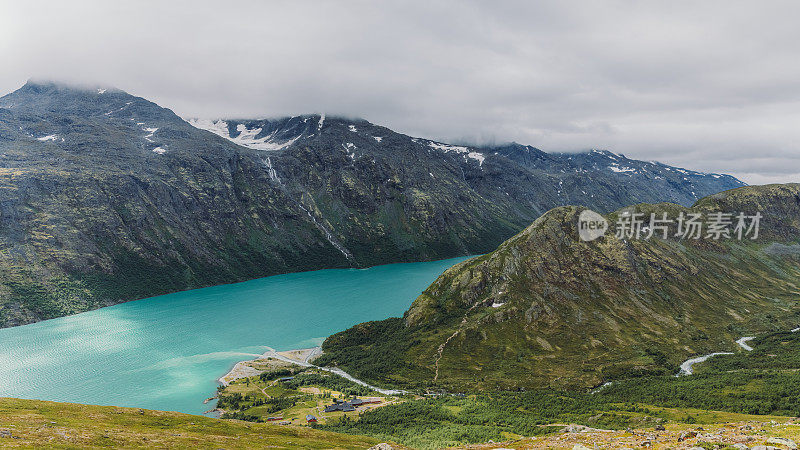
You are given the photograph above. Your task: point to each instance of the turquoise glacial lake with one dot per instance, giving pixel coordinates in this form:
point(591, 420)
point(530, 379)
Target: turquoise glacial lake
point(167, 352)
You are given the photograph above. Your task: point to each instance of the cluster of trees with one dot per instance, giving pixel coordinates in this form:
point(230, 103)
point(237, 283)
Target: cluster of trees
point(329, 381)
point(452, 420)
point(279, 373)
point(388, 342)
point(236, 404)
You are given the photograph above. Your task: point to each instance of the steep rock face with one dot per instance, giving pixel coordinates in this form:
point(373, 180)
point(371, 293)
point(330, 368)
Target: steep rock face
point(107, 197)
point(547, 309)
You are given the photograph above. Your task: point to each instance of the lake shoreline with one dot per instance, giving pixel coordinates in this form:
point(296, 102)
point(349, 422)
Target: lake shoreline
point(165, 352)
point(112, 304)
point(301, 357)
point(242, 370)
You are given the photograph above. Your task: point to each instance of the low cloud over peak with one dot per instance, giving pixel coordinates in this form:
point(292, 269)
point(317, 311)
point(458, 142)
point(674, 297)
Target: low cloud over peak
point(714, 86)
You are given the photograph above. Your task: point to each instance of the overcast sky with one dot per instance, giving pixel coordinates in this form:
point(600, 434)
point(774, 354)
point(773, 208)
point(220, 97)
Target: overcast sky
point(712, 86)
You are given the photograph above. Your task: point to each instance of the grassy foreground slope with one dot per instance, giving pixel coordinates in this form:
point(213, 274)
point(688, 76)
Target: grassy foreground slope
point(33, 423)
point(548, 310)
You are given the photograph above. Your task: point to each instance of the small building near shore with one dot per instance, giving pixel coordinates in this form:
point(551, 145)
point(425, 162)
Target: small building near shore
point(343, 406)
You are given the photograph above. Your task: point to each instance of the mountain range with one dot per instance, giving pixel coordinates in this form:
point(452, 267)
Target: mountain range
point(107, 197)
point(548, 309)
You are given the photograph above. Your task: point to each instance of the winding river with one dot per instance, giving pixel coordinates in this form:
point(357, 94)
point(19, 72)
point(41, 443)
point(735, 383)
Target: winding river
point(686, 367)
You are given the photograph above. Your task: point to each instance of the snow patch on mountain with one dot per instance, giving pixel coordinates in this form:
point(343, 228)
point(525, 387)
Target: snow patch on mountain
point(447, 148)
point(616, 168)
point(608, 154)
point(151, 132)
point(246, 137)
point(349, 148)
point(49, 137)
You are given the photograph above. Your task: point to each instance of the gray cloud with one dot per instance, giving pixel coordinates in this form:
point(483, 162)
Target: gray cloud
point(712, 85)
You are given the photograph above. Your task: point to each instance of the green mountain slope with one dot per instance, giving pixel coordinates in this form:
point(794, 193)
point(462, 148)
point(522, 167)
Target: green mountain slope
point(570, 313)
point(38, 424)
point(107, 197)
